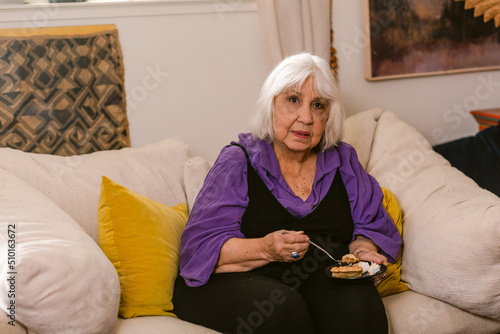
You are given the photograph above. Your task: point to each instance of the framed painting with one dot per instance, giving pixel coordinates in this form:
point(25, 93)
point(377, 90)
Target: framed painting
point(427, 37)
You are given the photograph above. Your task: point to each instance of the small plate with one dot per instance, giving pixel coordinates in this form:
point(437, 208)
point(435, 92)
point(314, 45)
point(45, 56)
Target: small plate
point(363, 278)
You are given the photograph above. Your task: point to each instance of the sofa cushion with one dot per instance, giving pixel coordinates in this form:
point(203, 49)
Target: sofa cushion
point(159, 325)
point(62, 281)
point(450, 222)
point(142, 239)
point(154, 171)
point(359, 131)
point(412, 312)
point(6, 328)
point(195, 171)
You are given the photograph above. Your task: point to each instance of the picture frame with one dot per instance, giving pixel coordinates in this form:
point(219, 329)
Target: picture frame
point(426, 37)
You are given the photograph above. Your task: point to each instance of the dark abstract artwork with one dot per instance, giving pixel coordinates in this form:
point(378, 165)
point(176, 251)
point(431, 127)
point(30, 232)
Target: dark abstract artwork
point(427, 37)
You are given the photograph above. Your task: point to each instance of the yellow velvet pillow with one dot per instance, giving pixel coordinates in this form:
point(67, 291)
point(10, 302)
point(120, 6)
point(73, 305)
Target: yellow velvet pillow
point(392, 283)
point(141, 238)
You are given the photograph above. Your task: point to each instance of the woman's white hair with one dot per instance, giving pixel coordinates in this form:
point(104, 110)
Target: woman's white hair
point(291, 73)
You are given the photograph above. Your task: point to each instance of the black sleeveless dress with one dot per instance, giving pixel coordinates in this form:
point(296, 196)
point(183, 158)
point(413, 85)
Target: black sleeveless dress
point(330, 224)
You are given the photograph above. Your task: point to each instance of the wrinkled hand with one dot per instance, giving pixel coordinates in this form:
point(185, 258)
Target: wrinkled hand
point(279, 245)
point(371, 256)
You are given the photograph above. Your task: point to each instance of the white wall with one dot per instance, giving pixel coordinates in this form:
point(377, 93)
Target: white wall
point(211, 61)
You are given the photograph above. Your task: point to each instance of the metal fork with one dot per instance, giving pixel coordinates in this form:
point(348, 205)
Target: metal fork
point(324, 251)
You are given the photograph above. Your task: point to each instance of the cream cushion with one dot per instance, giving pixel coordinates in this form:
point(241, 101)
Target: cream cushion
point(154, 170)
point(159, 325)
point(359, 132)
point(5, 328)
point(412, 312)
point(63, 282)
point(195, 171)
point(451, 227)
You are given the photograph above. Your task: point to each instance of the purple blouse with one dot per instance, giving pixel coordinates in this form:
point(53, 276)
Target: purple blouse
point(221, 203)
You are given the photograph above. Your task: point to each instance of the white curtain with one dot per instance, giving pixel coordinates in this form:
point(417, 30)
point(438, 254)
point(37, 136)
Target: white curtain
point(292, 26)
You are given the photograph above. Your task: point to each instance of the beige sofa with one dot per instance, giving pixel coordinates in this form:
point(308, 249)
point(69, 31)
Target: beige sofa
point(65, 284)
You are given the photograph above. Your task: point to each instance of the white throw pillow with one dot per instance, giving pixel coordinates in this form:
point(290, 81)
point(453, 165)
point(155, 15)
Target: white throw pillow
point(58, 278)
point(359, 131)
point(195, 171)
point(452, 226)
point(155, 171)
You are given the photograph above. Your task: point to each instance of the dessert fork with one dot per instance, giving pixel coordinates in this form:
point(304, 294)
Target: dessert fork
point(331, 257)
point(342, 263)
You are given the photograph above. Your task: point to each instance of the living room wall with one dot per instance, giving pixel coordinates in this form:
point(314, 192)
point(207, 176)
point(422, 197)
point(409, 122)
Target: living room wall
point(193, 69)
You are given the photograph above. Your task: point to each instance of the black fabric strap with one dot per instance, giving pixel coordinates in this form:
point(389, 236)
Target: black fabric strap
point(244, 151)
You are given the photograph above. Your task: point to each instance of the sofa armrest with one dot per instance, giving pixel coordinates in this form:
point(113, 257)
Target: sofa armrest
point(451, 225)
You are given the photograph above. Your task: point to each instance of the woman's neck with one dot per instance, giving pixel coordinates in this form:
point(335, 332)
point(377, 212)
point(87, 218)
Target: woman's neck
point(298, 170)
point(285, 155)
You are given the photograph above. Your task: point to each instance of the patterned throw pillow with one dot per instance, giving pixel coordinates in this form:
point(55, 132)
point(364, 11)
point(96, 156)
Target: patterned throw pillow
point(62, 90)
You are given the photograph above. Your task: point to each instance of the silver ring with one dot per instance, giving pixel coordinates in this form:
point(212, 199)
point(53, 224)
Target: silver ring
point(295, 255)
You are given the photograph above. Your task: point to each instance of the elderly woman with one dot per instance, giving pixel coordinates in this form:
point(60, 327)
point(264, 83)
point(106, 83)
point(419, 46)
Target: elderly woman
point(246, 264)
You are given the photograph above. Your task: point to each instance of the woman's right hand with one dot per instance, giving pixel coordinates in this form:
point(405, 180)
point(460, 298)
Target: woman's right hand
point(242, 254)
point(280, 245)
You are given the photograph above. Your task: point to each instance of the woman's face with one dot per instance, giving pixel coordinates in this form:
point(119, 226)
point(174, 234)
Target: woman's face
point(300, 118)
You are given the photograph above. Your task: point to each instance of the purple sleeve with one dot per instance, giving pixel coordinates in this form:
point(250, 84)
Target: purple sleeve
point(215, 217)
point(371, 220)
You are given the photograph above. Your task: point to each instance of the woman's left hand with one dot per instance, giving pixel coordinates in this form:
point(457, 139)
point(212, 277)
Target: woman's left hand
point(371, 256)
point(366, 250)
